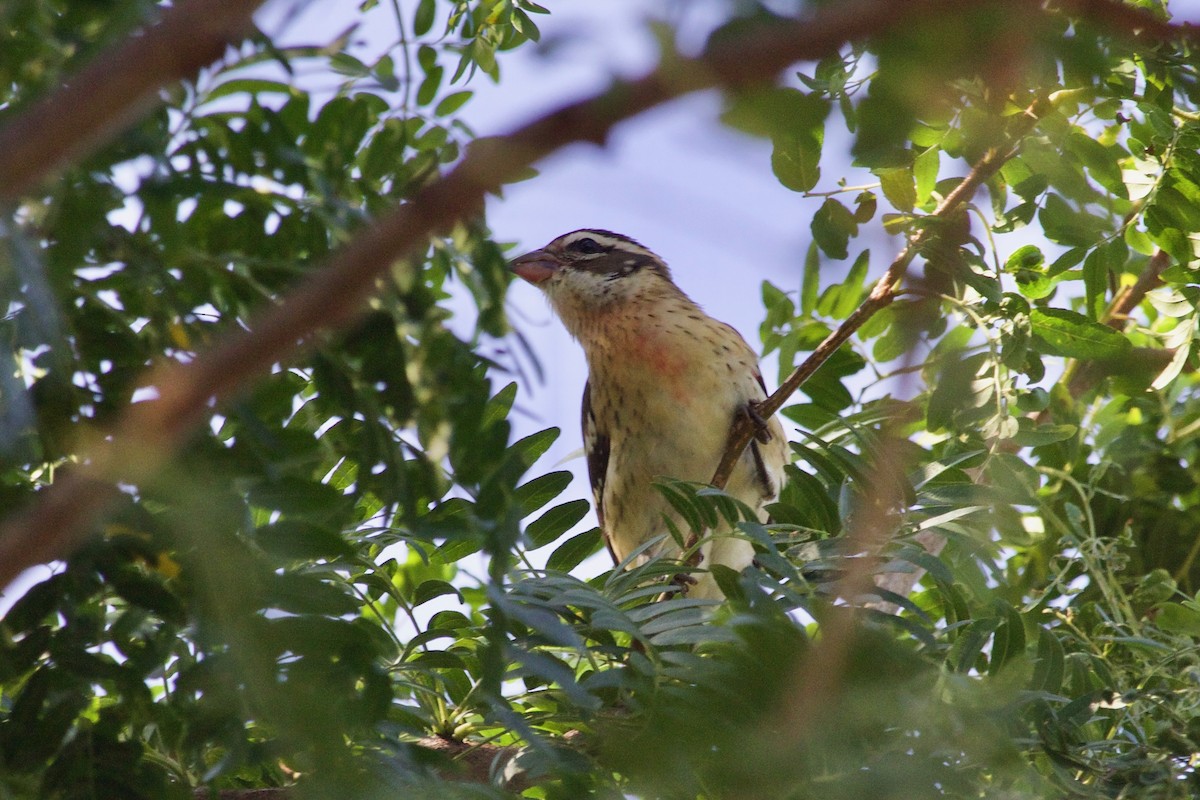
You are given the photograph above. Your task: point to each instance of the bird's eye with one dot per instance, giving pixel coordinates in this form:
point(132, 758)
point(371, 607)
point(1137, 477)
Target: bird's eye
point(586, 246)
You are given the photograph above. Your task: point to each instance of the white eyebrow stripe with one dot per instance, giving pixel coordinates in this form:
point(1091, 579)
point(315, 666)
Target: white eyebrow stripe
point(604, 240)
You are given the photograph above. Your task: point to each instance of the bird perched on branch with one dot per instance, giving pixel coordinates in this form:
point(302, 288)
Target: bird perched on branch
point(665, 384)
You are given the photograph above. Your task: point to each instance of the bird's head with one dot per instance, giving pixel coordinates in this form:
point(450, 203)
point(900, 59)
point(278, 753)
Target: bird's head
point(589, 270)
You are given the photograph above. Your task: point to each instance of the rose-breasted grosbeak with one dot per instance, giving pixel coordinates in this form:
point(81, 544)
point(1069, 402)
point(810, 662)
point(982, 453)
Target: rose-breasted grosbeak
point(665, 384)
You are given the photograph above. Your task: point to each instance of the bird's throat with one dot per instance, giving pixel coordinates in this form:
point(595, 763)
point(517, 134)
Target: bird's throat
point(646, 350)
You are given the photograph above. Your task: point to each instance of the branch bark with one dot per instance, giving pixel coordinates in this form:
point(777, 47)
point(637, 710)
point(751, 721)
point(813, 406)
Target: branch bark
point(115, 89)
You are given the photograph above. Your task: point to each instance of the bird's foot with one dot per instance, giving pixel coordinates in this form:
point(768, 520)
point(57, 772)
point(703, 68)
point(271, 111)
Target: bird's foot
point(684, 581)
point(762, 431)
point(676, 587)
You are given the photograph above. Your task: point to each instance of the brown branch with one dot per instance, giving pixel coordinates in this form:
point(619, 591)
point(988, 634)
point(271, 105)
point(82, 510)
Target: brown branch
point(115, 89)
point(467, 762)
point(333, 295)
point(1131, 297)
point(880, 297)
point(818, 677)
point(1085, 376)
point(477, 763)
point(1121, 19)
point(119, 85)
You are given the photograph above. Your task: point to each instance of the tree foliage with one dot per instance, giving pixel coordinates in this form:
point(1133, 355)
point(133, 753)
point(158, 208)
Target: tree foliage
point(981, 579)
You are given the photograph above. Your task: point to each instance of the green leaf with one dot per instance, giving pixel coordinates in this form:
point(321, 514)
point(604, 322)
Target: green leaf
point(301, 539)
point(251, 86)
point(777, 112)
point(832, 227)
point(307, 594)
point(1008, 642)
point(484, 53)
point(780, 310)
point(852, 289)
point(385, 73)
point(452, 102)
point(533, 446)
point(1025, 257)
point(555, 522)
point(1067, 226)
point(499, 405)
point(925, 172)
point(795, 160)
point(1027, 265)
point(794, 121)
point(348, 65)
point(525, 26)
point(536, 493)
point(1178, 618)
point(429, 87)
point(1101, 161)
point(573, 551)
point(954, 390)
point(148, 592)
point(1072, 335)
point(427, 57)
point(456, 548)
point(423, 19)
point(899, 186)
point(865, 206)
point(1095, 282)
point(811, 285)
point(967, 651)
point(429, 589)
point(1048, 666)
point(296, 496)
point(1030, 434)
point(1013, 476)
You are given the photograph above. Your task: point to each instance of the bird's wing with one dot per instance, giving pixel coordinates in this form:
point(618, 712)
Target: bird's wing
point(596, 445)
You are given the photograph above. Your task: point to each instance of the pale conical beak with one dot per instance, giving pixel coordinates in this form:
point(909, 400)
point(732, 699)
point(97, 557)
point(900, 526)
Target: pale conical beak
point(535, 267)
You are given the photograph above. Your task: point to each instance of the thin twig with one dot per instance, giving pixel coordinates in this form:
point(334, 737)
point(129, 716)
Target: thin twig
point(1130, 298)
point(881, 296)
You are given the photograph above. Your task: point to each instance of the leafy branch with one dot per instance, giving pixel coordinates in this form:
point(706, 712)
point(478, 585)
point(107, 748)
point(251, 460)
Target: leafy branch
point(883, 293)
point(148, 433)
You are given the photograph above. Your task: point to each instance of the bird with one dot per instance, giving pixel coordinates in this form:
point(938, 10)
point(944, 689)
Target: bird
point(666, 382)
